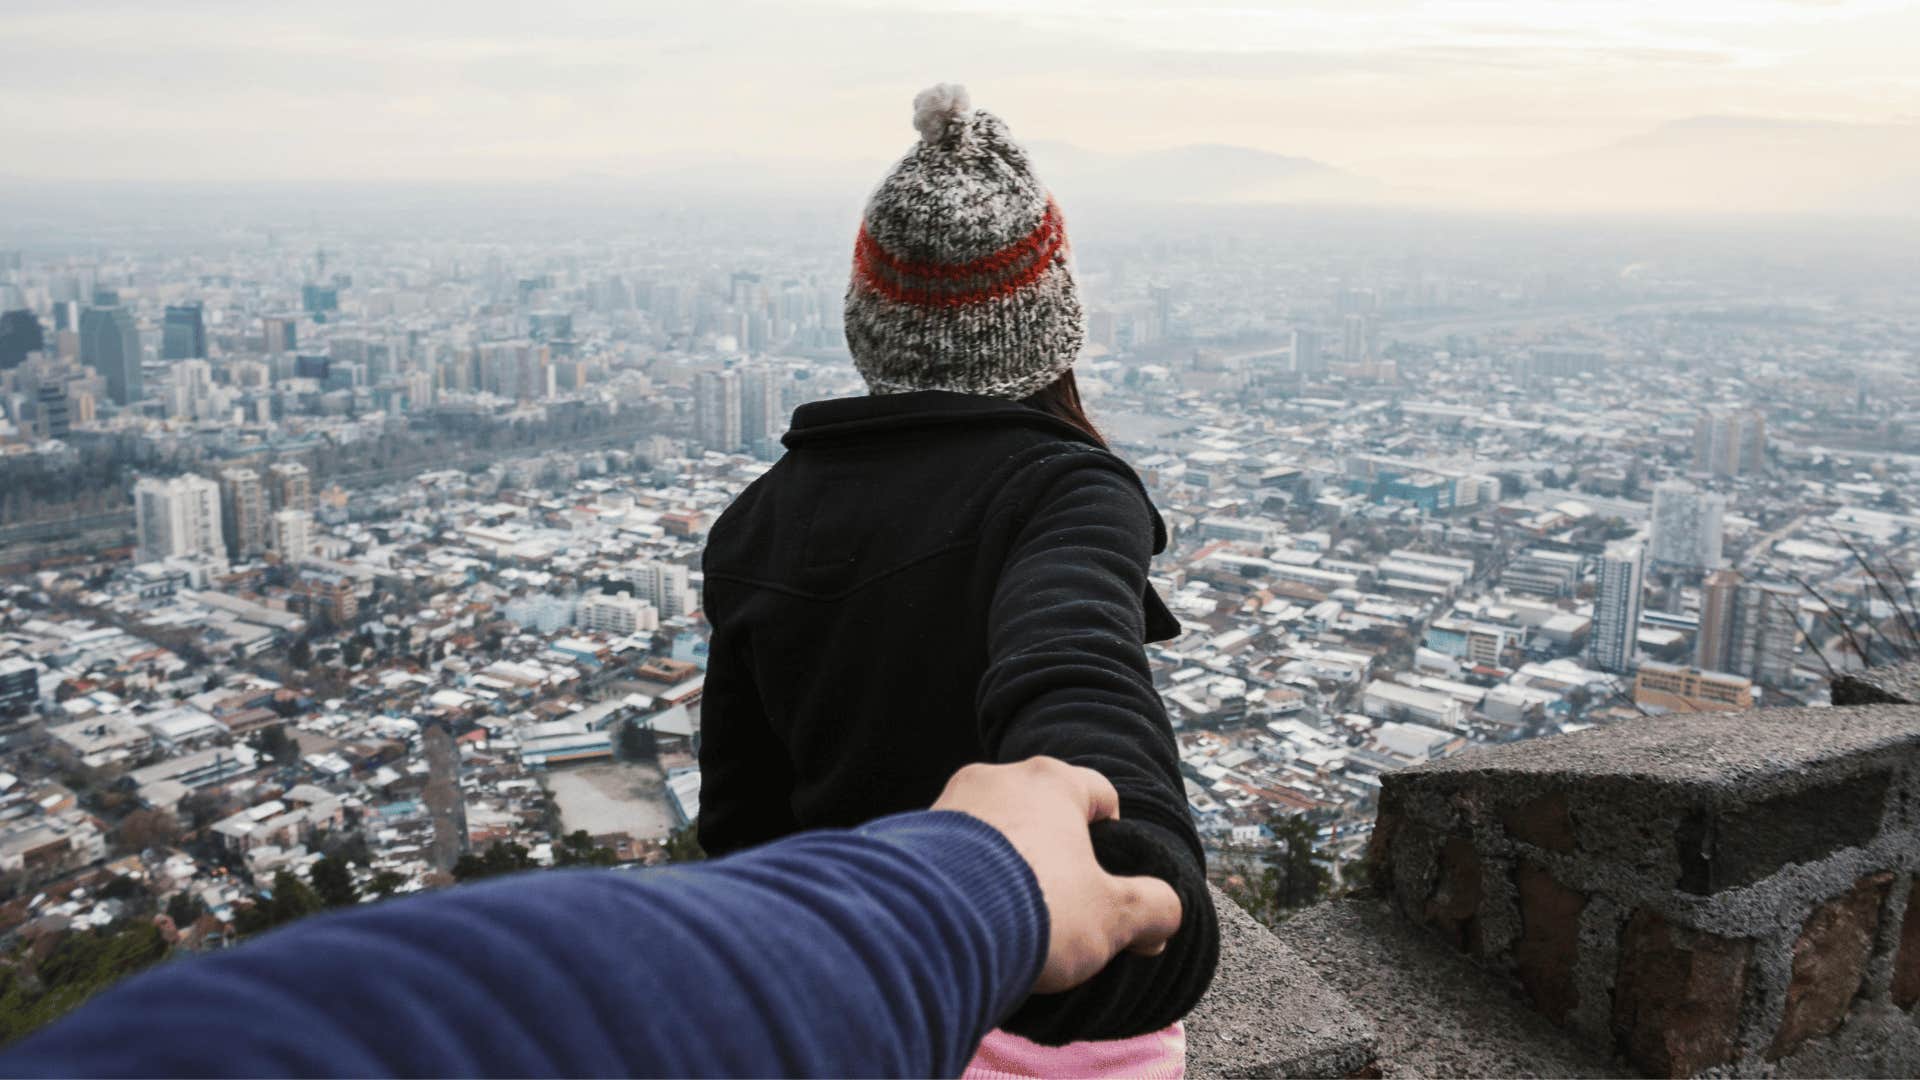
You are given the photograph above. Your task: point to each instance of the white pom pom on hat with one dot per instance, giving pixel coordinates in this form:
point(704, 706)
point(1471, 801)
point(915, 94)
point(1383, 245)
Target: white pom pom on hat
point(936, 108)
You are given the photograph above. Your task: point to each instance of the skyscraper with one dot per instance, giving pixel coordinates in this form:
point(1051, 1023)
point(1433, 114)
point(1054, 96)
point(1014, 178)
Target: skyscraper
point(1712, 649)
point(292, 535)
point(761, 418)
point(716, 411)
point(1616, 607)
point(290, 485)
point(1765, 630)
point(183, 333)
point(281, 333)
point(1687, 526)
point(178, 517)
point(243, 512)
point(665, 586)
point(1729, 443)
point(1307, 357)
point(110, 344)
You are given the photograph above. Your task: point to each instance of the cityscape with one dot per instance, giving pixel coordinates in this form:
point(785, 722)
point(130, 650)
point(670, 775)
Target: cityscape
point(340, 561)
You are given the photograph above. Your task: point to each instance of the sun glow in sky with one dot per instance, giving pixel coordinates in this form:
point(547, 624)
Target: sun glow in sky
point(490, 90)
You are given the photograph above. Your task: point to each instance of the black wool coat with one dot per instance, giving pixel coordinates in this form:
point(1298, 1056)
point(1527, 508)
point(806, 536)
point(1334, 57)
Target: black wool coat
point(928, 580)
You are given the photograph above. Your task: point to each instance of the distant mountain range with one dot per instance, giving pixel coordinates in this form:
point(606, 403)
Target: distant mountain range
point(1705, 164)
point(1203, 173)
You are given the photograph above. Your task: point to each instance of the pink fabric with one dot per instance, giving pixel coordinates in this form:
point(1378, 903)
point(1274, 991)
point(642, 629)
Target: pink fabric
point(1160, 1055)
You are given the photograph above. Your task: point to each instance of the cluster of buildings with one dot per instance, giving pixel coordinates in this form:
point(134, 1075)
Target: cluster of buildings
point(408, 561)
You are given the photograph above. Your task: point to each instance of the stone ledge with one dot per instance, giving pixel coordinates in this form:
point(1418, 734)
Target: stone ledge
point(1436, 1013)
point(1700, 891)
point(1268, 1013)
point(1896, 684)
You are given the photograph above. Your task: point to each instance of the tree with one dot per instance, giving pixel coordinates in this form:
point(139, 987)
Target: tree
point(1305, 880)
point(578, 849)
point(387, 882)
point(185, 909)
point(144, 829)
point(638, 742)
point(333, 882)
point(1272, 888)
point(503, 857)
point(683, 846)
point(78, 965)
point(289, 899)
point(301, 655)
point(275, 743)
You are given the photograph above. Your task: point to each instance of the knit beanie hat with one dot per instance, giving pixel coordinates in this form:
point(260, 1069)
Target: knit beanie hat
point(960, 273)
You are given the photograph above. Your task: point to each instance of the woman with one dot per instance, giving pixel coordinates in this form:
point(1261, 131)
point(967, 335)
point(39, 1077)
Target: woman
point(953, 569)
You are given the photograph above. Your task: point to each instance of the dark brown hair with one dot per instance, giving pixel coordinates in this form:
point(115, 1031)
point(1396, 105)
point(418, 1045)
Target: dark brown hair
point(1061, 399)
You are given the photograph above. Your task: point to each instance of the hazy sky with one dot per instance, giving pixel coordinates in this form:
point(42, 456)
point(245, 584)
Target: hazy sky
point(481, 89)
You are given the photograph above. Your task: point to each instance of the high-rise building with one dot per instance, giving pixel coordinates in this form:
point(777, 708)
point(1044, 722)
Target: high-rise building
point(1687, 526)
point(110, 344)
point(1360, 338)
point(1616, 607)
point(20, 334)
point(665, 586)
point(281, 333)
point(292, 535)
point(716, 411)
point(52, 413)
point(56, 394)
point(243, 512)
point(1712, 648)
point(183, 333)
point(1729, 443)
point(1764, 631)
point(520, 370)
point(761, 418)
point(290, 485)
point(1307, 357)
point(178, 517)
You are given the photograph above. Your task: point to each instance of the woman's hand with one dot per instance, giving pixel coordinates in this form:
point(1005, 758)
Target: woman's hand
point(1043, 806)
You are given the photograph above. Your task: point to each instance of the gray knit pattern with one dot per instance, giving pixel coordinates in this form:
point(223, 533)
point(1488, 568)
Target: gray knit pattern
point(962, 281)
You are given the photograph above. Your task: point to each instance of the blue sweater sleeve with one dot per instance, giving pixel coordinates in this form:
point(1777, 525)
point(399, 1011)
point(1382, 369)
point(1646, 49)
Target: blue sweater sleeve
point(887, 950)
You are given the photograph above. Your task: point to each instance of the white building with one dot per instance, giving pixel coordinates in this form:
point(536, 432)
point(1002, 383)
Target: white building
point(1616, 607)
point(292, 535)
point(716, 411)
point(1391, 701)
point(666, 586)
point(1687, 526)
point(178, 517)
point(616, 613)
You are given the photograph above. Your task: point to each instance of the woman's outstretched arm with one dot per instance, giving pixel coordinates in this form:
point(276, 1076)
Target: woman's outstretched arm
point(1067, 676)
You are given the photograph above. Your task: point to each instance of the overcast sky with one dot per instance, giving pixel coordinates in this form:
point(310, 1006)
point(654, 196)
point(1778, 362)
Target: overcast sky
point(489, 90)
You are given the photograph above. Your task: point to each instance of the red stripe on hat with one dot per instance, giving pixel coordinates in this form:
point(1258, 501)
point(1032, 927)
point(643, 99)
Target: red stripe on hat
point(1011, 268)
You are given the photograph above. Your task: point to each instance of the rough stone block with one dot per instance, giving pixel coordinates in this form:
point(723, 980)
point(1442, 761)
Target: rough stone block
point(1830, 962)
point(1645, 882)
point(1896, 684)
point(1906, 960)
point(1545, 822)
point(1549, 945)
point(1269, 1014)
point(1454, 907)
point(1676, 998)
point(1726, 847)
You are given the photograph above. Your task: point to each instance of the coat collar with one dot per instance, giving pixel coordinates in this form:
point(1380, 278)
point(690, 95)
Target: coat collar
point(834, 419)
point(839, 418)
